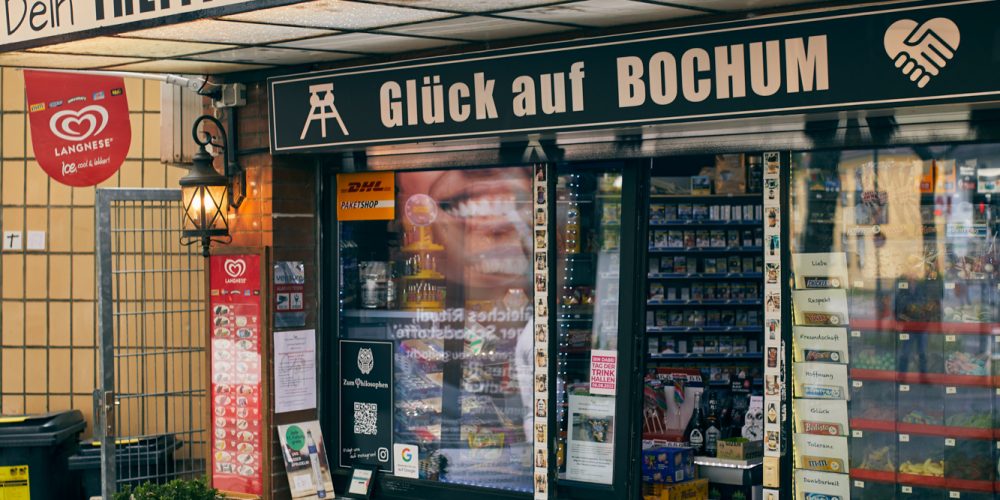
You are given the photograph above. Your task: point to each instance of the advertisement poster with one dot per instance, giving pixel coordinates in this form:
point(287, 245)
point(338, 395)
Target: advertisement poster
point(366, 196)
point(591, 441)
point(289, 294)
point(237, 400)
point(306, 463)
point(366, 404)
point(294, 370)
point(80, 128)
point(603, 372)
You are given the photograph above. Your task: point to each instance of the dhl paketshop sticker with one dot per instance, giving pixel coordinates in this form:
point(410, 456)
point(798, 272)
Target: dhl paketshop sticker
point(366, 196)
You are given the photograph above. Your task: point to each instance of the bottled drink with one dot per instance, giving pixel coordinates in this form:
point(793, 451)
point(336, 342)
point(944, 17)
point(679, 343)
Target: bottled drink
point(390, 288)
point(712, 431)
point(694, 433)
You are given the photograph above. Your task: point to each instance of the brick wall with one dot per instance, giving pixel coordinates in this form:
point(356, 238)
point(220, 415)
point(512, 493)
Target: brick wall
point(280, 212)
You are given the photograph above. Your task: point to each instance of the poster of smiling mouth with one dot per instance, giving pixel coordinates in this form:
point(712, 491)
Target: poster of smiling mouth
point(80, 128)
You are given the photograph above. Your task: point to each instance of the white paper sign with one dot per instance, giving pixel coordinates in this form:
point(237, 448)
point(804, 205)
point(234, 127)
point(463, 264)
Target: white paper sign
point(821, 416)
point(603, 372)
point(294, 370)
point(821, 453)
point(811, 484)
point(591, 441)
point(407, 460)
point(820, 307)
point(820, 344)
point(820, 381)
point(819, 270)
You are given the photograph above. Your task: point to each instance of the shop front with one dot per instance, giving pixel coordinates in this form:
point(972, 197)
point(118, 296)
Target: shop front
point(773, 241)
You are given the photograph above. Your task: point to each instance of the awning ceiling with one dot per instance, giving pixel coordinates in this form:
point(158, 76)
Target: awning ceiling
point(320, 31)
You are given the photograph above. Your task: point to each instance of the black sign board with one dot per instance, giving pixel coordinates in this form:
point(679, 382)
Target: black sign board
point(366, 404)
point(863, 57)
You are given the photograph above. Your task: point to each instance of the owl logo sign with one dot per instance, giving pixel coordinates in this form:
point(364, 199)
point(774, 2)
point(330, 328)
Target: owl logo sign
point(366, 361)
point(80, 127)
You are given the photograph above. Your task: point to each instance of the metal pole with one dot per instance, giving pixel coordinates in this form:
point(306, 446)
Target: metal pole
point(105, 326)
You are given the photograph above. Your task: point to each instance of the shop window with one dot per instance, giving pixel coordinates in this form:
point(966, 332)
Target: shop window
point(448, 281)
point(895, 263)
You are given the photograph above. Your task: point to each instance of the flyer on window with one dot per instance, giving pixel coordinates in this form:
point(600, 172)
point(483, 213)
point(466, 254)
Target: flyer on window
point(306, 464)
point(590, 449)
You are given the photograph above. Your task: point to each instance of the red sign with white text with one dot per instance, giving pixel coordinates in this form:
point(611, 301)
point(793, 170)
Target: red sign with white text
point(80, 127)
point(237, 399)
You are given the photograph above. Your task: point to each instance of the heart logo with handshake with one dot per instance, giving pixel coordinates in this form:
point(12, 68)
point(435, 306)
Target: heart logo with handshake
point(921, 51)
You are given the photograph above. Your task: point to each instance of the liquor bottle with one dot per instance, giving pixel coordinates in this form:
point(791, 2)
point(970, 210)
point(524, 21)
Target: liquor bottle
point(693, 434)
point(712, 431)
point(314, 465)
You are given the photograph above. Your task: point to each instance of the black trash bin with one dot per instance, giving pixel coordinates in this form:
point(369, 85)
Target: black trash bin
point(44, 444)
point(137, 460)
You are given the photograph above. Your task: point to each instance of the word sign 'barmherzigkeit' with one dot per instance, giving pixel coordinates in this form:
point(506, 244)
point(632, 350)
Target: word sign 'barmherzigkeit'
point(904, 54)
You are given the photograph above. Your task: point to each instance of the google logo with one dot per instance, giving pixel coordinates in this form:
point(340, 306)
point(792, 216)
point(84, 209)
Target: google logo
point(406, 454)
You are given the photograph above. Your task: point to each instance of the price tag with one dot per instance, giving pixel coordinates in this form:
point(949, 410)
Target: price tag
point(998, 391)
point(904, 336)
point(904, 438)
point(949, 442)
point(949, 286)
point(859, 484)
point(858, 383)
point(907, 489)
point(859, 284)
point(855, 333)
point(951, 390)
point(954, 494)
point(858, 434)
point(904, 285)
point(949, 338)
point(904, 388)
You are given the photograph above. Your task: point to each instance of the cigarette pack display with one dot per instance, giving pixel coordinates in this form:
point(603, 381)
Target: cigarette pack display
point(684, 212)
point(689, 239)
point(670, 213)
point(735, 266)
point(702, 238)
point(661, 318)
point(655, 291)
point(666, 265)
point(717, 238)
point(657, 214)
point(699, 212)
point(671, 293)
point(675, 239)
point(739, 345)
point(725, 345)
point(711, 345)
point(685, 293)
point(680, 264)
point(654, 265)
point(710, 266)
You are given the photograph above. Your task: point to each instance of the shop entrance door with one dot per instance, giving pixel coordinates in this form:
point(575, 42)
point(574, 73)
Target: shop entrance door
point(153, 374)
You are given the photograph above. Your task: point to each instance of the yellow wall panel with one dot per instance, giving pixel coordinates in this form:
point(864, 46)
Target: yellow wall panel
point(13, 136)
point(36, 323)
point(37, 275)
point(83, 229)
point(13, 90)
point(84, 323)
point(60, 230)
point(13, 323)
point(59, 323)
point(84, 370)
point(59, 277)
point(13, 370)
point(83, 277)
point(36, 185)
point(133, 91)
point(59, 371)
point(37, 367)
point(13, 183)
point(151, 138)
point(13, 275)
point(152, 95)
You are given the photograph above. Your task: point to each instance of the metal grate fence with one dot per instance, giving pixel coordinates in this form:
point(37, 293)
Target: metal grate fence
point(151, 320)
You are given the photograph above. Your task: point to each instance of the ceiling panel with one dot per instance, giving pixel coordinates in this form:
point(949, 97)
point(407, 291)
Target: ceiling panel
point(187, 67)
point(271, 55)
point(603, 13)
point(471, 5)
point(40, 60)
point(478, 28)
point(371, 43)
point(339, 14)
point(212, 30)
point(111, 46)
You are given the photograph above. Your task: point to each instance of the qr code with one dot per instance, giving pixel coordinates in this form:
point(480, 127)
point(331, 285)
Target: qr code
point(365, 418)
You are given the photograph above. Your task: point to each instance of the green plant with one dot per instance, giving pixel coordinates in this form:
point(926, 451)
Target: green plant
point(178, 489)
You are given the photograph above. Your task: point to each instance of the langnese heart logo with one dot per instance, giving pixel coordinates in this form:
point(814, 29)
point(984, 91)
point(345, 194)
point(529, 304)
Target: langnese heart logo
point(235, 267)
point(921, 51)
point(72, 125)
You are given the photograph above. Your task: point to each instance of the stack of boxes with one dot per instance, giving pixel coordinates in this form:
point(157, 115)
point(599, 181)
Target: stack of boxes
point(668, 473)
